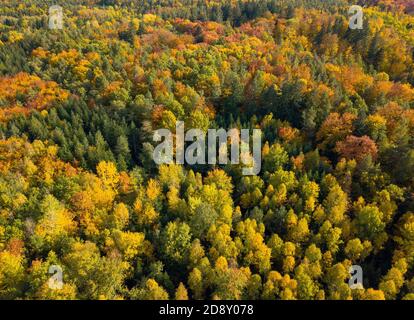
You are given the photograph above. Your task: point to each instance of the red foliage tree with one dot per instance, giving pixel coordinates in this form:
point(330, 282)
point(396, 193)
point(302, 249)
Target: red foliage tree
point(357, 148)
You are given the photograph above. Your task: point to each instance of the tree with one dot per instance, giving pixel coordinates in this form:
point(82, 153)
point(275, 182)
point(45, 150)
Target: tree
point(122, 152)
point(357, 250)
point(176, 242)
point(335, 279)
point(357, 148)
point(120, 216)
point(335, 128)
point(56, 221)
point(306, 287)
point(275, 159)
point(222, 243)
point(252, 246)
point(11, 275)
point(38, 276)
point(108, 173)
point(220, 179)
point(131, 244)
point(335, 205)
point(203, 218)
point(229, 283)
point(79, 187)
point(195, 281)
point(369, 225)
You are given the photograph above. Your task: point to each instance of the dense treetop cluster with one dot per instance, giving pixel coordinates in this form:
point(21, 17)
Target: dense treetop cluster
point(79, 187)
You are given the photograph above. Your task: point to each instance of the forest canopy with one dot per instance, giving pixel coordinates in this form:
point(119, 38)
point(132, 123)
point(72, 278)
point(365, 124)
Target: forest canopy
point(79, 188)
